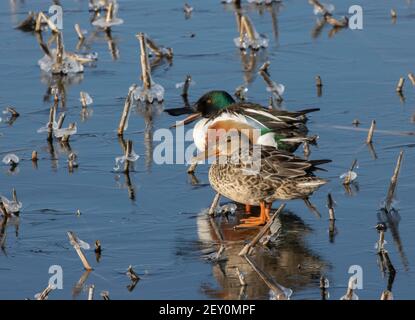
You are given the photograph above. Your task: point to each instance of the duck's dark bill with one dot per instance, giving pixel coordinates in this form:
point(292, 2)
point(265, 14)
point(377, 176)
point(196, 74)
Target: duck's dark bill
point(180, 111)
point(188, 120)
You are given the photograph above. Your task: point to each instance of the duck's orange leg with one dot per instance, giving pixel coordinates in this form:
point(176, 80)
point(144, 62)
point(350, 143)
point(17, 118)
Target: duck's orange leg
point(255, 221)
point(248, 208)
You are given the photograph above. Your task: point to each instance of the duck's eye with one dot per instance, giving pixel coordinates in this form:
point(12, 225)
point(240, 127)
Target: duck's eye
point(209, 101)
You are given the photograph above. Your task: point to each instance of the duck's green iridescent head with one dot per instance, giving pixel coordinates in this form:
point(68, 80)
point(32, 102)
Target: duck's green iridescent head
point(213, 101)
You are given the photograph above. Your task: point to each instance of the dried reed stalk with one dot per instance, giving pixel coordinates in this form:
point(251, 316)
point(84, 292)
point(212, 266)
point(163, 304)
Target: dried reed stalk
point(261, 233)
point(393, 183)
point(73, 239)
point(126, 111)
point(370, 133)
point(145, 65)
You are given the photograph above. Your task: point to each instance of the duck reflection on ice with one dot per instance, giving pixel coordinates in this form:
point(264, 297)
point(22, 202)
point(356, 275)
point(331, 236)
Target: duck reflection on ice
point(288, 260)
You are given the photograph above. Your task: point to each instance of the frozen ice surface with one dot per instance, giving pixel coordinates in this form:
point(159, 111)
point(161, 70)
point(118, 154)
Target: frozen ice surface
point(46, 127)
point(351, 174)
point(180, 85)
point(59, 133)
point(354, 297)
point(69, 64)
point(10, 158)
point(277, 88)
point(11, 205)
point(89, 56)
point(227, 208)
point(259, 41)
point(132, 157)
point(103, 23)
point(88, 99)
point(156, 92)
point(328, 8)
point(84, 245)
point(285, 294)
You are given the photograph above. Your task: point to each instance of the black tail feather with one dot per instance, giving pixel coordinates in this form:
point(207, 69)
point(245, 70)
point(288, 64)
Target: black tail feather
point(305, 111)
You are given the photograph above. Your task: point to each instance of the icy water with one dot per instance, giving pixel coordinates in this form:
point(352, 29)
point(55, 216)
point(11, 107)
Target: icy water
point(162, 232)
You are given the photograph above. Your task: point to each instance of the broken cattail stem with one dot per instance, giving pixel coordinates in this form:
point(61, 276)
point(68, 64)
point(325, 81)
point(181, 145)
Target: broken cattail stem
point(317, 4)
point(14, 195)
point(83, 99)
point(38, 25)
point(73, 240)
point(42, 18)
point(334, 22)
point(13, 112)
point(59, 49)
point(3, 209)
point(219, 252)
point(348, 178)
point(132, 274)
point(191, 169)
point(34, 155)
point(61, 119)
point(105, 295)
point(241, 277)
point(349, 293)
point(157, 51)
point(215, 227)
point(126, 111)
point(214, 204)
point(393, 183)
point(270, 83)
point(330, 205)
point(72, 163)
point(128, 150)
point(261, 233)
point(52, 112)
point(319, 83)
point(186, 85)
point(319, 86)
point(237, 3)
point(265, 67)
point(412, 78)
point(277, 289)
point(110, 12)
point(145, 65)
point(79, 32)
point(247, 27)
point(97, 247)
point(386, 295)
point(312, 207)
point(381, 239)
point(370, 133)
point(80, 284)
point(387, 261)
point(66, 137)
point(29, 23)
point(44, 294)
point(400, 84)
point(323, 287)
point(91, 292)
point(306, 148)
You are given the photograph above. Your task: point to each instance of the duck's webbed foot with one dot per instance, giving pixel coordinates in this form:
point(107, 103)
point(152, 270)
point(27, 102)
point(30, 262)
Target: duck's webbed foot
point(256, 221)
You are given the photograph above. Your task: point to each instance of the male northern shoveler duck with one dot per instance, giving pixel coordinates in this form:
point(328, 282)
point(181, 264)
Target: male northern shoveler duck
point(278, 175)
point(281, 129)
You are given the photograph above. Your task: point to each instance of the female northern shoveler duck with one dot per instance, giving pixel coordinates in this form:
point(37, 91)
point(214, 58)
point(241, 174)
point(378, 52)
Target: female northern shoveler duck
point(281, 129)
point(273, 175)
